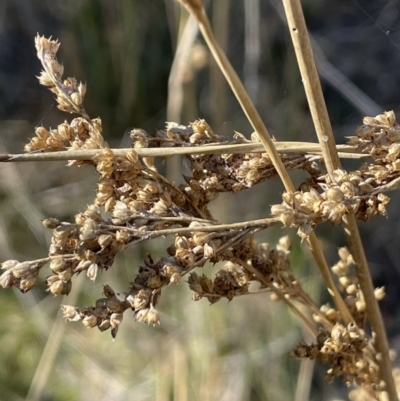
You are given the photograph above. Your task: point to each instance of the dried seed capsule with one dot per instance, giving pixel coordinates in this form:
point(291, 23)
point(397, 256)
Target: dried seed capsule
point(9, 264)
point(361, 306)
point(88, 231)
point(141, 316)
point(105, 240)
point(21, 269)
point(104, 325)
point(93, 212)
point(351, 289)
point(65, 275)
point(175, 278)
point(130, 299)
point(379, 293)
point(108, 291)
point(114, 305)
point(153, 317)
point(90, 321)
point(7, 279)
point(116, 319)
point(366, 187)
point(181, 242)
point(186, 257)
point(334, 194)
point(209, 250)
point(27, 282)
point(154, 282)
point(100, 312)
point(344, 253)
point(141, 300)
point(92, 271)
point(77, 99)
point(332, 315)
point(82, 265)
point(51, 223)
point(101, 303)
point(70, 313)
point(168, 270)
point(57, 286)
point(57, 265)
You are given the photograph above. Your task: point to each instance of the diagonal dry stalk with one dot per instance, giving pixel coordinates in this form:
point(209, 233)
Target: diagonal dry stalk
point(196, 9)
point(301, 42)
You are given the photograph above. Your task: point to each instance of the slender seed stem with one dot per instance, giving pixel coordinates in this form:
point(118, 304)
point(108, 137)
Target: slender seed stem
point(312, 86)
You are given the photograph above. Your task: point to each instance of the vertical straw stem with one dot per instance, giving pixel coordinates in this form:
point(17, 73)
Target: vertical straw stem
point(319, 113)
point(255, 120)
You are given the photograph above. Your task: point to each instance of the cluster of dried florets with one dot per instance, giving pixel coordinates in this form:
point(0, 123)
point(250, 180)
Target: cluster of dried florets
point(357, 192)
point(22, 275)
point(358, 393)
point(69, 93)
point(349, 286)
point(80, 134)
point(214, 173)
point(246, 263)
point(145, 290)
point(134, 203)
point(344, 348)
point(344, 193)
point(380, 138)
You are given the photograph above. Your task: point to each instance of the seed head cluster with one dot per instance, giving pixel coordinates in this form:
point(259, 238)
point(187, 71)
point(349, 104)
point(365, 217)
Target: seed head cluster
point(135, 203)
point(344, 349)
point(357, 192)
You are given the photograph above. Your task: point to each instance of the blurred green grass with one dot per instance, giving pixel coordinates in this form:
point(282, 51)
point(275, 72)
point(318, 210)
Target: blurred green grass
point(123, 51)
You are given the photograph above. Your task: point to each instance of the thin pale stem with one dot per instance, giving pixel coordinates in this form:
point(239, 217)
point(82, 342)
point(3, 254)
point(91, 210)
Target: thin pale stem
point(260, 224)
point(303, 318)
point(312, 86)
point(345, 151)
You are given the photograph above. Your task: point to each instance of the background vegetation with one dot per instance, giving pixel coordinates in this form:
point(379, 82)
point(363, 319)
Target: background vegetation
point(124, 51)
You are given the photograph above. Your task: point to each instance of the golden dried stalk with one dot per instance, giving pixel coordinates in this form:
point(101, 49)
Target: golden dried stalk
point(301, 41)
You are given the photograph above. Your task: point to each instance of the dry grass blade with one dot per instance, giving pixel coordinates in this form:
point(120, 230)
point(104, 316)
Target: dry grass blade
point(175, 81)
point(323, 128)
point(50, 351)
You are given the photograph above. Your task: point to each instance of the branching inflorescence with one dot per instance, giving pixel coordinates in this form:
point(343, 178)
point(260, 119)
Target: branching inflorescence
point(135, 203)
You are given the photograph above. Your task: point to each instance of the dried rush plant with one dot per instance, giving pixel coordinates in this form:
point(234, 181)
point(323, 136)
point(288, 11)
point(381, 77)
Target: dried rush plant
point(135, 203)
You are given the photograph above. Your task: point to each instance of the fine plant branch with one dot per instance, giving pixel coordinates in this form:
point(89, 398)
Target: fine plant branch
point(259, 224)
point(313, 149)
point(309, 324)
point(196, 9)
point(319, 113)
